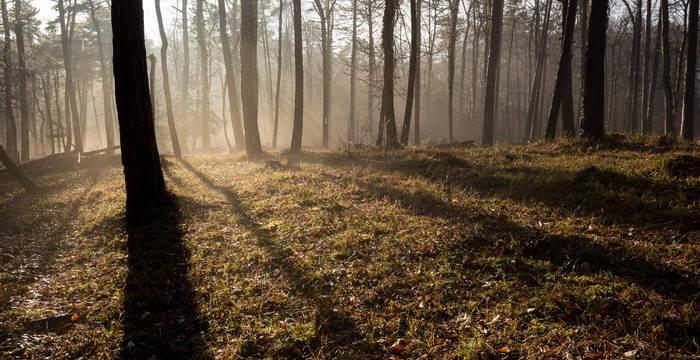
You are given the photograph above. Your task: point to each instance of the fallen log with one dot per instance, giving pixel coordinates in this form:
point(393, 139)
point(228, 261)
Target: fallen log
point(16, 172)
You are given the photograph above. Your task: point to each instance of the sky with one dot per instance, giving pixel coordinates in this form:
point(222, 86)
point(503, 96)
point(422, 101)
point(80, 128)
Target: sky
point(46, 12)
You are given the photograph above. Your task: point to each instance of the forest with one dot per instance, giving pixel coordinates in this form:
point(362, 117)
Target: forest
point(349, 179)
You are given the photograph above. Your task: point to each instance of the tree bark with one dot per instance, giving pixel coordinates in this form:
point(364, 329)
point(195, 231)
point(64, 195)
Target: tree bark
point(562, 86)
point(353, 73)
point(166, 83)
point(16, 172)
point(22, 72)
point(106, 91)
point(67, 63)
point(142, 172)
point(249, 75)
point(203, 74)
point(691, 59)
point(454, 11)
point(413, 57)
point(11, 128)
point(298, 80)
point(666, 69)
point(645, 125)
point(593, 112)
point(234, 106)
point(279, 77)
point(492, 73)
point(388, 116)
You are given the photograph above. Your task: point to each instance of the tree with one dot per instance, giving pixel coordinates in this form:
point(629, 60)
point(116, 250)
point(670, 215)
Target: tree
point(234, 106)
point(16, 172)
point(492, 74)
point(412, 70)
point(387, 111)
point(249, 75)
point(142, 172)
point(645, 125)
point(666, 69)
point(11, 127)
point(298, 79)
point(562, 86)
point(106, 92)
point(66, 47)
point(325, 12)
point(691, 60)
point(203, 73)
point(22, 69)
point(454, 11)
point(593, 113)
point(416, 122)
point(279, 76)
point(166, 83)
point(185, 91)
point(353, 74)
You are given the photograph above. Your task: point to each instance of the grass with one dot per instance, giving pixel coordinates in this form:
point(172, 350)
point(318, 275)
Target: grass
point(572, 249)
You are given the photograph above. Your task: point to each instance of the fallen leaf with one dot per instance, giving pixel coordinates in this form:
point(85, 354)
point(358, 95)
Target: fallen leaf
point(74, 317)
point(631, 353)
point(396, 348)
point(504, 349)
point(523, 299)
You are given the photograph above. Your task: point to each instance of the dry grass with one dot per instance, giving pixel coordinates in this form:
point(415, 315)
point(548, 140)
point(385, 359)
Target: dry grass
point(573, 249)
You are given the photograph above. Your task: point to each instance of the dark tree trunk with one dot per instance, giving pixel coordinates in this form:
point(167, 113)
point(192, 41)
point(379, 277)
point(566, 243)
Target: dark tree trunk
point(166, 83)
point(411, 73)
point(649, 115)
point(536, 91)
point(16, 172)
point(11, 126)
point(22, 72)
point(666, 69)
point(689, 92)
point(645, 125)
point(106, 91)
point(562, 86)
point(298, 80)
point(46, 84)
point(142, 172)
point(492, 73)
point(249, 75)
point(593, 112)
point(416, 122)
point(185, 91)
point(387, 110)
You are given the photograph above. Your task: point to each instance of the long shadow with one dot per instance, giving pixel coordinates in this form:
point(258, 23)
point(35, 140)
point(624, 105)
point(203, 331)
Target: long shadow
point(161, 318)
point(626, 200)
point(560, 250)
point(332, 325)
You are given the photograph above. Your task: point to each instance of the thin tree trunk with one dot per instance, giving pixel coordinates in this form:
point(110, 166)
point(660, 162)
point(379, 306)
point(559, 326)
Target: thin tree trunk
point(279, 77)
point(645, 125)
point(411, 73)
point(106, 90)
point(185, 91)
point(353, 73)
point(666, 69)
point(691, 59)
point(538, 76)
point(388, 117)
point(564, 71)
point(67, 63)
point(370, 70)
point(416, 120)
point(24, 109)
point(203, 74)
point(46, 84)
point(166, 84)
point(649, 115)
point(11, 128)
point(454, 11)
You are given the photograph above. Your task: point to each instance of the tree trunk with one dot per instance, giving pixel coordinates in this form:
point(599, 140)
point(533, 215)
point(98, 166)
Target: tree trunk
point(353, 64)
point(454, 11)
point(416, 125)
point(249, 75)
point(666, 69)
point(324, 13)
point(279, 77)
point(203, 74)
point(16, 172)
point(536, 91)
point(649, 114)
point(22, 72)
point(142, 172)
point(645, 125)
point(11, 128)
point(166, 83)
point(298, 80)
point(371, 67)
point(67, 63)
point(492, 73)
point(46, 84)
point(234, 106)
point(388, 117)
point(563, 76)
point(185, 91)
point(593, 112)
point(411, 73)
point(106, 91)
point(689, 92)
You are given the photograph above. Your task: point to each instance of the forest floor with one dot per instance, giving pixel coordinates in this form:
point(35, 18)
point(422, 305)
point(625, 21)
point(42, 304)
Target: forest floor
point(564, 250)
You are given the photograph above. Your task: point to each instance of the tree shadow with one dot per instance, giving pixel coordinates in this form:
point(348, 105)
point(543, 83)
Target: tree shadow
point(564, 251)
point(334, 327)
point(160, 317)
